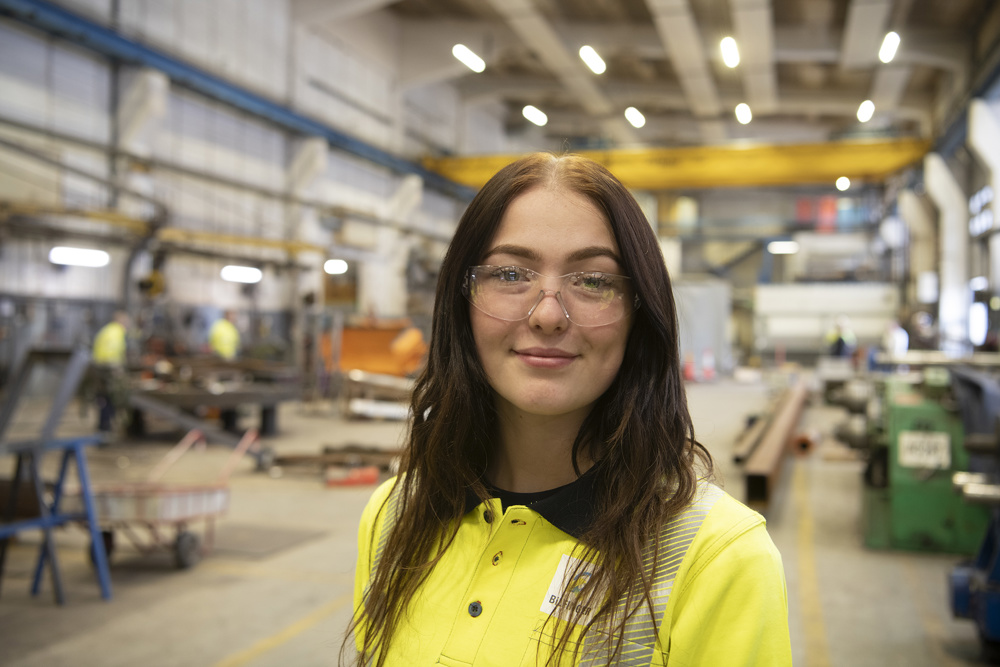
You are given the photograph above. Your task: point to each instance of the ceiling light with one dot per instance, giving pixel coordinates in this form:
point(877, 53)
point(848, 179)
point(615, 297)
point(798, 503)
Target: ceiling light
point(743, 113)
point(889, 46)
point(782, 247)
point(241, 274)
point(594, 61)
point(535, 115)
point(335, 267)
point(468, 58)
point(635, 117)
point(78, 257)
point(843, 183)
point(730, 52)
point(866, 111)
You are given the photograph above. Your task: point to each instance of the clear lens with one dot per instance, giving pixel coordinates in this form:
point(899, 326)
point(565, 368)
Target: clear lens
point(588, 298)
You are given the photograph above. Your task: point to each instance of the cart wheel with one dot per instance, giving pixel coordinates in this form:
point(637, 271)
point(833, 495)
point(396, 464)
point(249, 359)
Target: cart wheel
point(265, 459)
point(108, 537)
point(187, 549)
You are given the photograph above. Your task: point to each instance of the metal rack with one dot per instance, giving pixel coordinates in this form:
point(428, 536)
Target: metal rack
point(29, 454)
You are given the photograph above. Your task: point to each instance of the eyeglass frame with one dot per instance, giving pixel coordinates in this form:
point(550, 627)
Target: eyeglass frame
point(636, 302)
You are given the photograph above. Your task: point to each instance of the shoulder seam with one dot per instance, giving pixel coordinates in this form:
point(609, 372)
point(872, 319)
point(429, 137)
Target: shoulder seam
point(738, 529)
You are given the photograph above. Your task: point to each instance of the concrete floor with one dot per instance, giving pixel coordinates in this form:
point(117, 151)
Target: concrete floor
point(276, 590)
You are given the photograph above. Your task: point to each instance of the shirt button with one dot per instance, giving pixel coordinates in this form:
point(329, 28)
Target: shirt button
point(488, 516)
point(475, 609)
point(496, 557)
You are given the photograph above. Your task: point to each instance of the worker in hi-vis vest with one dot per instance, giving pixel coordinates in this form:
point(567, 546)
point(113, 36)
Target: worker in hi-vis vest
point(224, 337)
point(108, 356)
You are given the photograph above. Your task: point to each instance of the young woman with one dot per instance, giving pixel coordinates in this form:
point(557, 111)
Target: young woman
point(552, 505)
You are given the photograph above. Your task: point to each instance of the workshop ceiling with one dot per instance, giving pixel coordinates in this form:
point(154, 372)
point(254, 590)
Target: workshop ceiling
point(806, 65)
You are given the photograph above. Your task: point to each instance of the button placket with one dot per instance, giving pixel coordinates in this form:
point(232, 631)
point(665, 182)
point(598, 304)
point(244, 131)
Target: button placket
point(492, 576)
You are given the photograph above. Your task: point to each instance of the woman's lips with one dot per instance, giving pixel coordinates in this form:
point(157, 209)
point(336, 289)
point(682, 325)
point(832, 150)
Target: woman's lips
point(539, 357)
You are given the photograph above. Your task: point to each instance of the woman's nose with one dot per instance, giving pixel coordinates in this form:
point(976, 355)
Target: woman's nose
point(548, 314)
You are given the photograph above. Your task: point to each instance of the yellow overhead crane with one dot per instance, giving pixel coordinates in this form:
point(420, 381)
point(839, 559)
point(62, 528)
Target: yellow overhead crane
point(734, 165)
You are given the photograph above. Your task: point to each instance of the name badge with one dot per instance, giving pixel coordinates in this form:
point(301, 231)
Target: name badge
point(563, 599)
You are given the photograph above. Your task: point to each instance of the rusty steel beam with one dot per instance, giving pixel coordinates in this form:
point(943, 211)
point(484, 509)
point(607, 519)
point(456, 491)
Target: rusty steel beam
point(764, 465)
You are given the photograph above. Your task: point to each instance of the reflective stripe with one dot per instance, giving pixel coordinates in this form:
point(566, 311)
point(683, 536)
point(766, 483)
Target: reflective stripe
point(392, 509)
point(641, 629)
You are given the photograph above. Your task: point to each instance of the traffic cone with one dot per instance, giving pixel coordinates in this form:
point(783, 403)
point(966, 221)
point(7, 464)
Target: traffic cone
point(689, 367)
point(708, 364)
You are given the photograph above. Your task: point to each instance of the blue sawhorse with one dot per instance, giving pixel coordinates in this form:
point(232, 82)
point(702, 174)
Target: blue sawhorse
point(50, 514)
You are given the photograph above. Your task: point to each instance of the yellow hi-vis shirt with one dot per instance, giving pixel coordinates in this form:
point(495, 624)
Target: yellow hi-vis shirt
point(485, 602)
point(224, 338)
point(109, 345)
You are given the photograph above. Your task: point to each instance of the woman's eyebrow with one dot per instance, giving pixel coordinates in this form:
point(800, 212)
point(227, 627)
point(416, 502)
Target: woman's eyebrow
point(594, 251)
point(588, 252)
point(516, 251)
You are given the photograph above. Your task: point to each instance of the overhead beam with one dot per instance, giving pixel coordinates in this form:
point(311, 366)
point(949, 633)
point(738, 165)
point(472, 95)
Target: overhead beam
point(865, 28)
point(485, 88)
point(717, 166)
point(538, 34)
point(682, 39)
point(754, 23)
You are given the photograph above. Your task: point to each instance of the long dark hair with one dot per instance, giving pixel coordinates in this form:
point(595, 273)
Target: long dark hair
point(639, 432)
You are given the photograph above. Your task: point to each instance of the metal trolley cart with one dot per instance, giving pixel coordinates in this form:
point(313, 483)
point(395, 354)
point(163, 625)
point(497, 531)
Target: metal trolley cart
point(156, 506)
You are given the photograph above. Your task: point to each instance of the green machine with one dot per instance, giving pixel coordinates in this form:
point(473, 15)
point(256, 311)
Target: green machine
point(918, 443)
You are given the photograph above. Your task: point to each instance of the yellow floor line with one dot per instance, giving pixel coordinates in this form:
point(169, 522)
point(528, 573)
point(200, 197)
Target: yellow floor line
point(289, 633)
point(817, 649)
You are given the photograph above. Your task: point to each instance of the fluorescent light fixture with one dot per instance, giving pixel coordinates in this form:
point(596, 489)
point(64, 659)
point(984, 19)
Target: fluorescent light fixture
point(241, 274)
point(635, 117)
point(843, 183)
point(743, 113)
point(78, 257)
point(468, 58)
point(335, 266)
point(782, 247)
point(730, 52)
point(535, 115)
point(594, 61)
point(979, 284)
point(866, 111)
point(889, 46)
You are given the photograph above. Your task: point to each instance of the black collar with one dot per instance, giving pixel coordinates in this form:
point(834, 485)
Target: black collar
point(571, 509)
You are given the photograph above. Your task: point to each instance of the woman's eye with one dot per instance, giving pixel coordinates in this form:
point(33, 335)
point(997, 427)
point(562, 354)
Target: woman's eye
point(511, 274)
point(593, 281)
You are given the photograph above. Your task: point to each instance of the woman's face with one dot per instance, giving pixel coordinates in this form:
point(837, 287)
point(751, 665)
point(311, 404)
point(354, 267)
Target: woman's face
point(546, 365)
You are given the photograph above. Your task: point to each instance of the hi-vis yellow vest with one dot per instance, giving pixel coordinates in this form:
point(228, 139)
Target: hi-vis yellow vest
point(719, 597)
point(109, 345)
point(224, 338)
